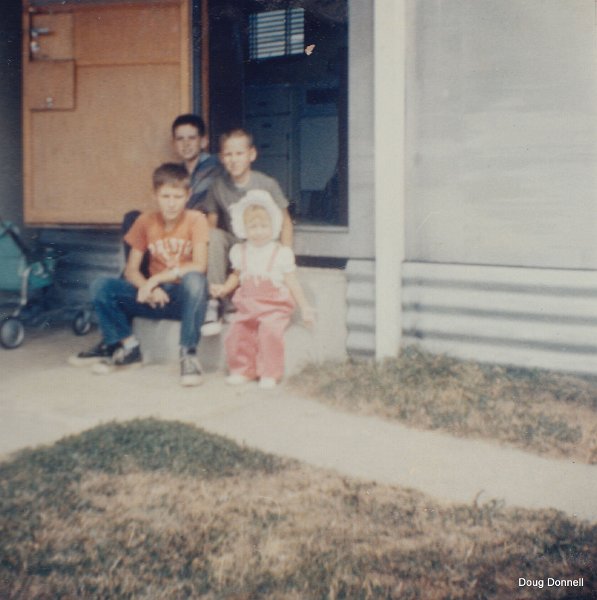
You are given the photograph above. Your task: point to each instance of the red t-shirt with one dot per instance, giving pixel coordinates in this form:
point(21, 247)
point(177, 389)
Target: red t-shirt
point(168, 249)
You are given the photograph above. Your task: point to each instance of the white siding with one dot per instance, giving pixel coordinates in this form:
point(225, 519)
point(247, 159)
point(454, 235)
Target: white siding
point(502, 135)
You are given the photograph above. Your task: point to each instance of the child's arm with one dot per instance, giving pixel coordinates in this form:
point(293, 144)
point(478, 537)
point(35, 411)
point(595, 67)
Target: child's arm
point(132, 270)
point(147, 292)
point(219, 290)
point(307, 312)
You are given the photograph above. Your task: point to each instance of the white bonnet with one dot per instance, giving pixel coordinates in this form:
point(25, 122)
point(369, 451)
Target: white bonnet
point(260, 198)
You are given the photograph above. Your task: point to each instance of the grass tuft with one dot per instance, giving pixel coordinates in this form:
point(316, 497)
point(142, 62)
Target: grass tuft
point(152, 509)
point(544, 412)
point(145, 444)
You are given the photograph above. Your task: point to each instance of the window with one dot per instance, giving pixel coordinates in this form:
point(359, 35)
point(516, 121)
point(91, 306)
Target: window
point(276, 33)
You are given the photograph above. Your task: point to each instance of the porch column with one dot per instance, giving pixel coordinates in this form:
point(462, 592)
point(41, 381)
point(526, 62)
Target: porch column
point(389, 146)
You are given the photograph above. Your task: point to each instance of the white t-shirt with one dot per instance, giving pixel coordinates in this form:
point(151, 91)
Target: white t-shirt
point(258, 259)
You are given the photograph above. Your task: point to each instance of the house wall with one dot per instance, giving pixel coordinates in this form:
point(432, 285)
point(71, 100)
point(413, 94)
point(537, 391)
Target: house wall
point(502, 135)
point(501, 202)
point(11, 191)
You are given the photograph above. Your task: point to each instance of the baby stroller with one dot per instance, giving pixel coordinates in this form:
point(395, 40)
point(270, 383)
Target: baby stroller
point(29, 275)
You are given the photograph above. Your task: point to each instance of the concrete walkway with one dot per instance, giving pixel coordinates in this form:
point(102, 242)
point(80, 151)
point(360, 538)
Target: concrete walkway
point(42, 399)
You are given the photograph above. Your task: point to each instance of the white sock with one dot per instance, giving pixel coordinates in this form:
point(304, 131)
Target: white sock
point(130, 343)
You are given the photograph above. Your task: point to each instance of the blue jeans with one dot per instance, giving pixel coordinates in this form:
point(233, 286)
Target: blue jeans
point(115, 302)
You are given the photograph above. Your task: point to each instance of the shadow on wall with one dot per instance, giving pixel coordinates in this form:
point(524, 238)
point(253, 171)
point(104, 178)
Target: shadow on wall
point(11, 172)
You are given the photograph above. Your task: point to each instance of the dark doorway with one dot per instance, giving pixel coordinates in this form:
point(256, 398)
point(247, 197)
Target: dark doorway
point(280, 69)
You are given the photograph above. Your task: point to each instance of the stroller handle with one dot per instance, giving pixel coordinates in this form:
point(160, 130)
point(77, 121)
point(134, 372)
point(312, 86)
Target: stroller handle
point(12, 231)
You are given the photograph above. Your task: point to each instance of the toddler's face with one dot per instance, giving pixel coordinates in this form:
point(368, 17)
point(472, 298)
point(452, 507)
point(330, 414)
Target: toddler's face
point(258, 227)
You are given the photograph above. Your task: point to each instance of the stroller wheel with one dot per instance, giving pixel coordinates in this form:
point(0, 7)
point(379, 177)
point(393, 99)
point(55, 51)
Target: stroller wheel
point(82, 323)
point(12, 333)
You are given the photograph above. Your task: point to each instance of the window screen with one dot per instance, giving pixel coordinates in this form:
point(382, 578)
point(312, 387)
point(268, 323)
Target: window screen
point(276, 33)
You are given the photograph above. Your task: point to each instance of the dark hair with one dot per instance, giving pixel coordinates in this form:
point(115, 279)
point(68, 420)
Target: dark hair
point(170, 174)
point(189, 119)
point(236, 133)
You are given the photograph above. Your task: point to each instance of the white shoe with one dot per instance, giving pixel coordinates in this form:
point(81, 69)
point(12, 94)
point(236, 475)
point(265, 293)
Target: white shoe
point(212, 324)
point(267, 383)
point(236, 379)
point(211, 328)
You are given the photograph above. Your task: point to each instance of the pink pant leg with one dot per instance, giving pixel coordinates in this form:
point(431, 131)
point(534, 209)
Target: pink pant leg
point(270, 360)
point(241, 348)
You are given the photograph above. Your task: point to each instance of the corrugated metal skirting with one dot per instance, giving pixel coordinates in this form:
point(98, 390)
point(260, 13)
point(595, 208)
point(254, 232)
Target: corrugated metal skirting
point(544, 318)
point(360, 307)
point(84, 255)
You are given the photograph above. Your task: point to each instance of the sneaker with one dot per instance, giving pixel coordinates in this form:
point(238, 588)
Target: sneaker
point(190, 370)
point(267, 383)
point(236, 379)
point(92, 356)
point(212, 325)
point(121, 359)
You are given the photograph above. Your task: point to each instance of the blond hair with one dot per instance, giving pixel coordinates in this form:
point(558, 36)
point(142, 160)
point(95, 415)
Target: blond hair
point(237, 133)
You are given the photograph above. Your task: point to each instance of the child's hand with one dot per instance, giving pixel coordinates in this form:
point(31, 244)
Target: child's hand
point(308, 315)
point(144, 292)
point(216, 290)
point(159, 297)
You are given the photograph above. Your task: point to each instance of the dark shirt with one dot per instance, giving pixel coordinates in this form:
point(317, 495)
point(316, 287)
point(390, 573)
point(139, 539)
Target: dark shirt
point(206, 170)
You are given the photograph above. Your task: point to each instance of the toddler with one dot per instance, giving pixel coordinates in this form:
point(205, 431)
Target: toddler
point(267, 289)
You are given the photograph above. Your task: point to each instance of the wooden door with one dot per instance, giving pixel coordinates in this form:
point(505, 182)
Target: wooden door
point(102, 83)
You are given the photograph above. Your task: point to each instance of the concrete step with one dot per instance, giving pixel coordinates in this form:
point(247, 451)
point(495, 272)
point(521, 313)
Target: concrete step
point(324, 288)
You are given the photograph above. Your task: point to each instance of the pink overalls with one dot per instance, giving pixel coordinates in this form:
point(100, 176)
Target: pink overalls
point(255, 341)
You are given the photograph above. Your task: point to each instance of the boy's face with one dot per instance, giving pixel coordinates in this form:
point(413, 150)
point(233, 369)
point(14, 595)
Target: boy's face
point(258, 228)
point(171, 200)
point(236, 156)
point(188, 144)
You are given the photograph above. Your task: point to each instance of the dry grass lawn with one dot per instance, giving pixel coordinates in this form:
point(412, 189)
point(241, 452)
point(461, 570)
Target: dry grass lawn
point(154, 510)
point(543, 412)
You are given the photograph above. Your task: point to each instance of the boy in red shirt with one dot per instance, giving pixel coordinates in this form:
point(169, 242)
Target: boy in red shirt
point(176, 288)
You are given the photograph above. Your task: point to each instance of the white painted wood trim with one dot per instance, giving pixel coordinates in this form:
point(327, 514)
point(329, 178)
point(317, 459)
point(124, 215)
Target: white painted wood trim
point(322, 241)
point(389, 147)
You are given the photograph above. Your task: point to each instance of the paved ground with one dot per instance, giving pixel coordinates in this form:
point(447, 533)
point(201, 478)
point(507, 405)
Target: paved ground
point(42, 399)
